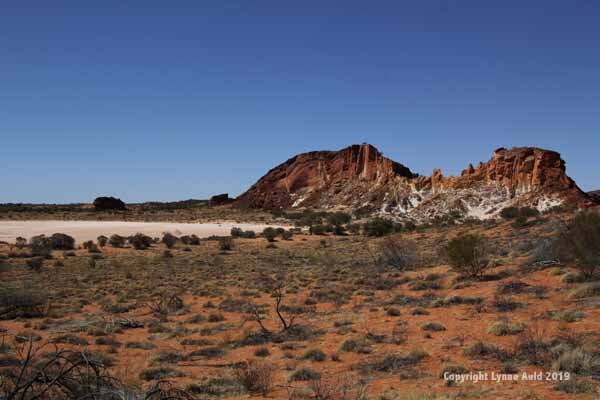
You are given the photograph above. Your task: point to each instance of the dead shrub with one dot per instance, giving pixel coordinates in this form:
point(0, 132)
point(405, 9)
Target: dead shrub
point(256, 376)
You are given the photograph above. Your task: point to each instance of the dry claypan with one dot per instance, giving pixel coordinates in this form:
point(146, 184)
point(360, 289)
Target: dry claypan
point(90, 230)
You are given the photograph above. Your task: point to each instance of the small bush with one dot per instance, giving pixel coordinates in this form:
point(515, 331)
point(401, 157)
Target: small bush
point(61, 241)
point(116, 241)
point(356, 346)
point(208, 352)
point(514, 212)
point(102, 240)
point(393, 312)
point(140, 345)
point(579, 243)
point(262, 352)
point(505, 329)
point(270, 234)
point(256, 376)
point(569, 316)
point(236, 232)
point(395, 362)
point(318, 229)
point(226, 244)
point(480, 350)
point(467, 255)
point(217, 387)
point(139, 241)
point(315, 355)
point(169, 240)
point(338, 218)
point(305, 374)
point(575, 386)
point(586, 290)
point(378, 227)
point(398, 253)
point(577, 361)
point(509, 212)
point(505, 304)
point(433, 326)
point(41, 246)
point(191, 240)
point(35, 263)
point(160, 373)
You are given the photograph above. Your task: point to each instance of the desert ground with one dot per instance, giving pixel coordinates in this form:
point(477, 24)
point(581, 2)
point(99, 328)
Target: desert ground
point(90, 230)
point(305, 316)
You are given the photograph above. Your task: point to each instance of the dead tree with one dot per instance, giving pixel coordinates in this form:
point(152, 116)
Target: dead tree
point(59, 373)
point(276, 288)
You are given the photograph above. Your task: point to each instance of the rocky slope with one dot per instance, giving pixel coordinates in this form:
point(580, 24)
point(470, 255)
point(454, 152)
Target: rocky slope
point(359, 176)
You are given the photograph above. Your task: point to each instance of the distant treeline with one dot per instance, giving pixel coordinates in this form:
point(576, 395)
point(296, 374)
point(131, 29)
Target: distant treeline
point(171, 205)
point(40, 208)
point(81, 207)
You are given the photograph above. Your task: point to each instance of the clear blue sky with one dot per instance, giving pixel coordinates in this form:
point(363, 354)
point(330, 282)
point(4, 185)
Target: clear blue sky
point(158, 100)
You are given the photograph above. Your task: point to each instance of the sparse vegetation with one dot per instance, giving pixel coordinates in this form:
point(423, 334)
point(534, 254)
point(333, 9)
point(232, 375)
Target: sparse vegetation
point(467, 255)
point(579, 243)
point(306, 310)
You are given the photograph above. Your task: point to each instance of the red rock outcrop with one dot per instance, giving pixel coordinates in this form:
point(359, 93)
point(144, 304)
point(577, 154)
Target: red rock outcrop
point(309, 179)
point(360, 176)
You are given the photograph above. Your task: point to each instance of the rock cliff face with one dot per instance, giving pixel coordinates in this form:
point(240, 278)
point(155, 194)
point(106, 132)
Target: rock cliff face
point(359, 176)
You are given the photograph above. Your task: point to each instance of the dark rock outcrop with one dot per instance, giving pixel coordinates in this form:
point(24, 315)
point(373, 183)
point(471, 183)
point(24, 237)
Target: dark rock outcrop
point(220, 199)
point(108, 204)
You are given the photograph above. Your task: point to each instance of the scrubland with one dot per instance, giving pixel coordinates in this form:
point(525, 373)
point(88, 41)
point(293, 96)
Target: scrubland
point(303, 316)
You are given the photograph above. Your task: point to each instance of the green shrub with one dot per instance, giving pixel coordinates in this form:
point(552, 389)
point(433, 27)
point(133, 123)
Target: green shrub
point(35, 263)
point(305, 374)
point(395, 362)
point(160, 373)
point(236, 232)
point(40, 246)
point(226, 244)
point(480, 350)
point(262, 352)
point(577, 361)
point(270, 234)
point(169, 240)
point(505, 329)
point(467, 255)
point(318, 229)
point(361, 346)
point(139, 241)
point(579, 243)
point(116, 241)
point(433, 326)
point(24, 303)
point(569, 316)
point(61, 241)
point(575, 386)
point(315, 355)
point(378, 227)
point(102, 240)
point(520, 222)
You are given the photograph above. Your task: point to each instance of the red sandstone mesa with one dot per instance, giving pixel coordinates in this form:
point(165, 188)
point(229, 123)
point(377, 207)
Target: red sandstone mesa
point(359, 176)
